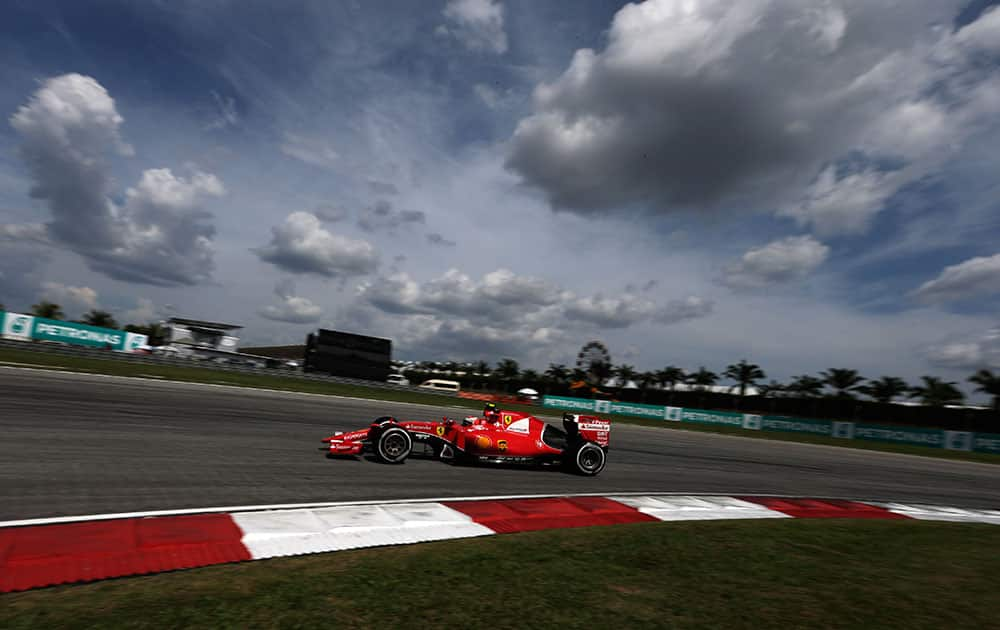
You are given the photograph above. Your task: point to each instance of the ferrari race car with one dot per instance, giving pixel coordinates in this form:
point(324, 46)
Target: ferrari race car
point(499, 437)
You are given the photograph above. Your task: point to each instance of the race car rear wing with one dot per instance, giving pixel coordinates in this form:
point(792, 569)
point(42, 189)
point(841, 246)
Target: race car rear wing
point(590, 428)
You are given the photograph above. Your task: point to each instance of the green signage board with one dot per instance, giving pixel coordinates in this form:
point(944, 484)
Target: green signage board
point(796, 425)
point(986, 443)
point(42, 329)
point(935, 438)
point(77, 334)
point(570, 404)
point(899, 435)
point(657, 412)
point(712, 417)
point(612, 407)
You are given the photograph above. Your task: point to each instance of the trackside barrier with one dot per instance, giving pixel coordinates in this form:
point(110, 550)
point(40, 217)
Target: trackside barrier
point(935, 438)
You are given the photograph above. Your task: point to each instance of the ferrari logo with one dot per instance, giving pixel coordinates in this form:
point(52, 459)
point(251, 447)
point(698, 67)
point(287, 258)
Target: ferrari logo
point(507, 420)
point(502, 444)
point(440, 430)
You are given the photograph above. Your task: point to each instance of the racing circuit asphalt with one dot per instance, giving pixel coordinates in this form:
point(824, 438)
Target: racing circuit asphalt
point(81, 444)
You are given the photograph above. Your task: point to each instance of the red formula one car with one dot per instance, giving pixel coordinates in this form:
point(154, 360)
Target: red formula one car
point(499, 437)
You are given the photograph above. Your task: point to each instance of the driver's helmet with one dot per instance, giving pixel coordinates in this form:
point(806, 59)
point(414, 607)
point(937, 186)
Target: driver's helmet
point(491, 412)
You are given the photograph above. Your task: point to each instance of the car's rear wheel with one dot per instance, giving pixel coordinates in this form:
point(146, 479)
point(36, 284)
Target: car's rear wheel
point(394, 445)
point(587, 459)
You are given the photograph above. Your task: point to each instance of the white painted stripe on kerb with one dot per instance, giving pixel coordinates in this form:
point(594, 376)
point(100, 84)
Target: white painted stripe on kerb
point(296, 532)
point(939, 513)
point(697, 508)
point(52, 520)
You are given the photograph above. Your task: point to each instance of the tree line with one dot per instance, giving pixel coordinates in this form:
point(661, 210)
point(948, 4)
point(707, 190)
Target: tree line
point(836, 383)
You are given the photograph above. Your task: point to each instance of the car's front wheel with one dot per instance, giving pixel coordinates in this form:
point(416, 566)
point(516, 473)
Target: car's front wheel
point(394, 445)
point(587, 459)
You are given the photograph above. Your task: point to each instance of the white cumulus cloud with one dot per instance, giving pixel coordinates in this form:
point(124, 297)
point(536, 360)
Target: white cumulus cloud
point(293, 309)
point(971, 353)
point(778, 261)
point(302, 245)
point(74, 300)
point(975, 277)
point(691, 307)
point(611, 311)
point(795, 106)
point(478, 24)
point(160, 235)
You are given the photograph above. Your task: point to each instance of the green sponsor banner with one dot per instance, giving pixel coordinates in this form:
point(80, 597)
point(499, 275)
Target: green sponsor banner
point(16, 326)
point(937, 438)
point(612, 407)
point(78, 334)
point(796, 425)
point(986, 443)
point(631, 409)
point(3, 317)
point(899, 435)
point(571, 404)
point(712, 417)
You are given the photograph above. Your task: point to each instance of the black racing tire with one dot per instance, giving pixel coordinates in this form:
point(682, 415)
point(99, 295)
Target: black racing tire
point(393, 445)
point(587, 459)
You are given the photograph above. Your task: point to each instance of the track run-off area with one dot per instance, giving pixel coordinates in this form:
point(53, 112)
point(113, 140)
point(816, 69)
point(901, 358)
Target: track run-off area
point(76, 444)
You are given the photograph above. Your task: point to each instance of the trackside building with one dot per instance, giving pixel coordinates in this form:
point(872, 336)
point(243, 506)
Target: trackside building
point(348, 354)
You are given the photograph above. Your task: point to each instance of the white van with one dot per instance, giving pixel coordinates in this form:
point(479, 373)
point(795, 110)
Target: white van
point(441, 385)
point(397, 379)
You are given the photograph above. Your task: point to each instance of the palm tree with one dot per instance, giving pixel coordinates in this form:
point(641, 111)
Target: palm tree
point(557, 373)
point(530, 376)
point(703, 378)
point(670, 375)
point(101, 319)
point(482, 368)
point(843, 380)
point(772, 389)
point(625, 374)
point(806, 386)
point(936, 393)
point(745, 374)
point(507, 369)
point(157, 334)
point(884, 389)
point(601, 371)
point(48, 310)
point(988, 384)
point(646, 380)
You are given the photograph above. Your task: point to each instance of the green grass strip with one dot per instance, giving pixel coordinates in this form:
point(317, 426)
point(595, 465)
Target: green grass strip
point(749, 574)
point(285, 383)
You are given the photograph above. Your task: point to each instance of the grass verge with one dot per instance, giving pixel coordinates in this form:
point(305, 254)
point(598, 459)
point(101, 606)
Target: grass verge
point(749, 574)
point(111, 366)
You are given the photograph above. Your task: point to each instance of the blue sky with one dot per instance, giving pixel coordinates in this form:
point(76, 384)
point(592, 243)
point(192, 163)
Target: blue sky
point(804, 184)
